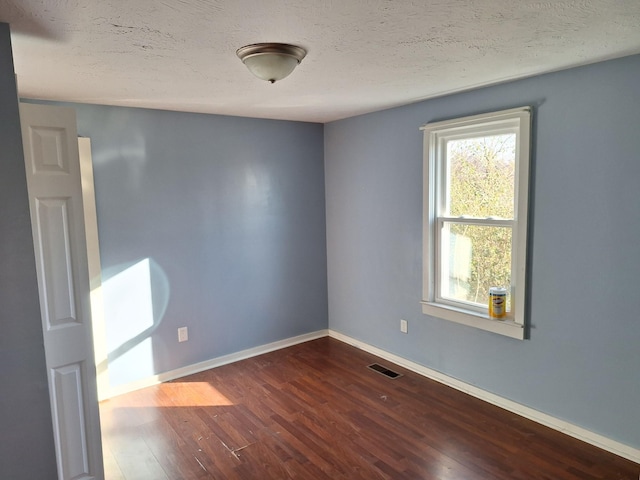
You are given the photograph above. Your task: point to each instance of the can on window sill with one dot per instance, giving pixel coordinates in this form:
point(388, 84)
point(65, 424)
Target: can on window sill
point(497, 302)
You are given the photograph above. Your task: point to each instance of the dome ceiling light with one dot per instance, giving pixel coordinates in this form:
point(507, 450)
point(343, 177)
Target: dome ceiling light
point(271, 61)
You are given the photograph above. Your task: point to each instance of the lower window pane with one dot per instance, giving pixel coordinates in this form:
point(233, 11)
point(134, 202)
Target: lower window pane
point(473, 259)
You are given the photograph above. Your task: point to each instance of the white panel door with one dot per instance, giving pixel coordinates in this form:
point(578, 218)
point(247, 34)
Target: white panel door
point(55, 199)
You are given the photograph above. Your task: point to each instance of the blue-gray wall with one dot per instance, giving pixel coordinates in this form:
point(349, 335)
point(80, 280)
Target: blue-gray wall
point(227, 217)
point(582, 362)
point(26, 434)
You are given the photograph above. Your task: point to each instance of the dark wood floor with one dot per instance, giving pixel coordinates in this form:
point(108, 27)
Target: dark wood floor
point(315, 411)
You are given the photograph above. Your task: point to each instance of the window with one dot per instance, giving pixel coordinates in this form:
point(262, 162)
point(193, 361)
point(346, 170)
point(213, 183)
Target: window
point(476, 189)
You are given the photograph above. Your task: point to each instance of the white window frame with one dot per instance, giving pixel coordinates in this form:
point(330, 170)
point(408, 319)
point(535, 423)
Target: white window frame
point(436, 134)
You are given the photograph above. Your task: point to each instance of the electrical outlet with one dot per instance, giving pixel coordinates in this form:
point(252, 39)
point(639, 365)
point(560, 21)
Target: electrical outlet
point(404, 326)
point(183, 334)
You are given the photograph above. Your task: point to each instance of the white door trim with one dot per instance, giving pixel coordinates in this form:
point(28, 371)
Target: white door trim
point(95, 269)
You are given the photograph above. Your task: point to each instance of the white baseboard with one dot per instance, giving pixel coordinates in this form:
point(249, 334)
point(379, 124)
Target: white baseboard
point(567, 428)
point(212, 363)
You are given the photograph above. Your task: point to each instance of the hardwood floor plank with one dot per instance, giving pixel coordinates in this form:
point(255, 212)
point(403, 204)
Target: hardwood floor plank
point(111, 465)
point(315, 411)
point(135, 459)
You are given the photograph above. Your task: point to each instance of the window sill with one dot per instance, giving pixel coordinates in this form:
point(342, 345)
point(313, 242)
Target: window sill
point(506, 327)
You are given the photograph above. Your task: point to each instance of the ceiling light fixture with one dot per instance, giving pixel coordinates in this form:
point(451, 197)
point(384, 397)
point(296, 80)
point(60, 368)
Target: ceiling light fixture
point(271, 61)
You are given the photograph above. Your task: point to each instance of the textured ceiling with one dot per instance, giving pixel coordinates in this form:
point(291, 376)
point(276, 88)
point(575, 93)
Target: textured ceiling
point(364, 55)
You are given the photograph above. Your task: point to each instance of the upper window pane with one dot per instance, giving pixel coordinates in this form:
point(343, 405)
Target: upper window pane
point(481, 176)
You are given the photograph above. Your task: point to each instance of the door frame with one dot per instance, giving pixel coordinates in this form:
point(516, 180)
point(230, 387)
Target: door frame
point(95, 270)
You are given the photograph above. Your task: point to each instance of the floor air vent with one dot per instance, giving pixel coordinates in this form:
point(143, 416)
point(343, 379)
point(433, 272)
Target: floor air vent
point(384, 371)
